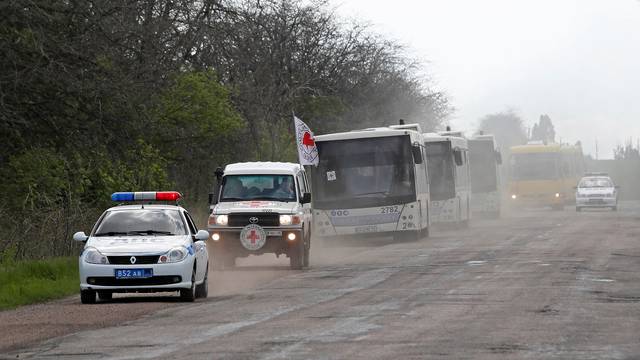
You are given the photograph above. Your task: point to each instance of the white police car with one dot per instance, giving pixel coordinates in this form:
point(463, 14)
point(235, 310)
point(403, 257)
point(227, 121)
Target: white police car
point(145, 247)
point(597, 191)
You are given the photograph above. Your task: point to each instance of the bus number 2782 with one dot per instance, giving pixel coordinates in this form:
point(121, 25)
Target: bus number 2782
point(390, 209)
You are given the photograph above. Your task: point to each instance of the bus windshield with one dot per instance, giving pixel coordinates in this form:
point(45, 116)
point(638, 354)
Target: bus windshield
point(534, 166)
point(440, 164)
point(365, 172)
point(483, 165)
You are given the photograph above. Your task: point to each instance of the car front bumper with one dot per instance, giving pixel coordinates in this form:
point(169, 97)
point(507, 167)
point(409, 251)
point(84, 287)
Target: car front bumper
point(166, 277)
point(596, 202)
point(277, 242)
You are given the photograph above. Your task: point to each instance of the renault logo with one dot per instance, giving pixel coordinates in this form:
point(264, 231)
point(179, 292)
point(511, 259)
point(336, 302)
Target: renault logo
point(253, 220)
point(132, 260)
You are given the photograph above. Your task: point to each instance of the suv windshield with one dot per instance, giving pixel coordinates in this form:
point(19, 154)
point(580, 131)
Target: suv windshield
point(595, 183)
point(141, 222)
point(258, 187)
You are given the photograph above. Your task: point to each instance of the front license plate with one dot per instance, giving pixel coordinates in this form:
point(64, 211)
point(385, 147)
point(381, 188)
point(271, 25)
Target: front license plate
point(366, 229)
point(133, 273)
point(274, 233)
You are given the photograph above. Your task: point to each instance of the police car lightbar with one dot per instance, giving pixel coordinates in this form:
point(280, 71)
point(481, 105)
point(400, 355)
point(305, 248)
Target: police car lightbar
point(146, 195)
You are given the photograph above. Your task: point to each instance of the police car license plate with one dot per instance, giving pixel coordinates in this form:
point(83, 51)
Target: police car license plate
point(274, 233)
point(133, 273)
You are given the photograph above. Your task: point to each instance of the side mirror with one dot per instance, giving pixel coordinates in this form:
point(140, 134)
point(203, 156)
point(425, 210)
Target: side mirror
point(201, 235)
point(417, 154)
point(213, 198)
point(498, 157)
point(306, 198)
point(457, 156)
point(80, 236)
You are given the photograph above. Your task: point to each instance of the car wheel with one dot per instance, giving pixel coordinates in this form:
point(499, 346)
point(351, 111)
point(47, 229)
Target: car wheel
point(88, 296)
point(189, 295)
point(296, 257)
point(202, 290)
point(105, 295)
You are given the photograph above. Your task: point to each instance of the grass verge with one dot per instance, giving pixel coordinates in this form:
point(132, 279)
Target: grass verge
point(32, 281)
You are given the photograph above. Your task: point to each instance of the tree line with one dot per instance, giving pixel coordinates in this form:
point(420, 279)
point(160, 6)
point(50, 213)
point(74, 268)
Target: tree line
point(104, 96)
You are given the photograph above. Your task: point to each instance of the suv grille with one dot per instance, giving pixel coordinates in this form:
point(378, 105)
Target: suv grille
point(264, 219)
point(140, 260)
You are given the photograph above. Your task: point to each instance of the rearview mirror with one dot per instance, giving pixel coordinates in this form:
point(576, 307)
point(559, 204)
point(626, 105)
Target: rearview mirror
point(201, 235)
point(457, 156)
point(306, 198)
point(80, 236)
point(213, 198)
point(417, 154)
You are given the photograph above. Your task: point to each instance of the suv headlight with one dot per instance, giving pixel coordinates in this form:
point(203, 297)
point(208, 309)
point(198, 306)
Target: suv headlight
point(93, 256)
point(289, 219)
point(219, 220)
point(173, 256)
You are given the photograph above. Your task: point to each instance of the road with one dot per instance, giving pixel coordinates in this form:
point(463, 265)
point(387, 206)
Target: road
point(539, 284)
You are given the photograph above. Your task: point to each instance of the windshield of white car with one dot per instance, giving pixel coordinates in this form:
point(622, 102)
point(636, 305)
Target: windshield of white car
point(595, 183)
point(258, 187)
point(141, 222)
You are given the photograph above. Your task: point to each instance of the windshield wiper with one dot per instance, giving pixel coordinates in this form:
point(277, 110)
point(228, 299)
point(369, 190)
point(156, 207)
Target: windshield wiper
point(233, 199)
point(150, 232)
point(111, 233)
point(272, 198)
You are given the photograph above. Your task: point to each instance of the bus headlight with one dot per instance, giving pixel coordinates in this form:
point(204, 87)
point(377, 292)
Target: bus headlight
point(557, 195)
point(514, 196)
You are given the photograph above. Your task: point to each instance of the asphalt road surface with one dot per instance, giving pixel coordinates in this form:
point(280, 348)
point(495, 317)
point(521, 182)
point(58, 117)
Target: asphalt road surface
point(537, 284)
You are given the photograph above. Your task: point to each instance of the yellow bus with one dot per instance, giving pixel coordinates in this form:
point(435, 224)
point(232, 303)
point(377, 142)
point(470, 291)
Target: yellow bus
point(544, 174)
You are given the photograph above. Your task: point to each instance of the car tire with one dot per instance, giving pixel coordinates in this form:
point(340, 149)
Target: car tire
point(296, 257)
point(202, 290)
point(88, 296)
point(105, 295)
point(189, 295)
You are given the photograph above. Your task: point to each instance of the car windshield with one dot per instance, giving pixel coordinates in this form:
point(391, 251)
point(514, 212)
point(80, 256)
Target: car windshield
point(258, 187)
point(596, 183)
point(141, 222)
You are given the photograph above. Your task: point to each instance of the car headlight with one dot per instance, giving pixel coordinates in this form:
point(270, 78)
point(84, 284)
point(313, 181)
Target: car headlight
point(172, 256)
point(93, 256)
point(219, 220)
point(289, 219)
point(514, 196)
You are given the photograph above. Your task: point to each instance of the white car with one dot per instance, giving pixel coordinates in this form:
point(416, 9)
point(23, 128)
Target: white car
point(261, 207)
point(596, 192)
point(147, 247)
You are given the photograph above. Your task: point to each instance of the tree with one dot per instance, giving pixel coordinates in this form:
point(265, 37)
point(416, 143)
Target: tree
point(507, 127)
point(627, 151)
point(544, 130)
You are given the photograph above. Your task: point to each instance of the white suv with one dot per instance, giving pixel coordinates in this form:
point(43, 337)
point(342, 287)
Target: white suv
point(596, 191)
point(261, 207)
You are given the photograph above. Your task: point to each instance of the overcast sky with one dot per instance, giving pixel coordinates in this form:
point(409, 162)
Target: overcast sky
point(576, 60)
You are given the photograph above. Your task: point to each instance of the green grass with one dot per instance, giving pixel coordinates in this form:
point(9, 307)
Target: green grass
point(32, 281)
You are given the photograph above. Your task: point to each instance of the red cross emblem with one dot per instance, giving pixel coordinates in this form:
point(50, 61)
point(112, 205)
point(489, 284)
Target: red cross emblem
point(253, 236)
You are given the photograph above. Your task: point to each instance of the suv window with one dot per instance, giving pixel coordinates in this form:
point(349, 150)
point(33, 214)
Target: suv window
point(141, 222)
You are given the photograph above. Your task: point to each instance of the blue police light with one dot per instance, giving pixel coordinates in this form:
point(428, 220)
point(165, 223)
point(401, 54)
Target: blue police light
point(122, 196)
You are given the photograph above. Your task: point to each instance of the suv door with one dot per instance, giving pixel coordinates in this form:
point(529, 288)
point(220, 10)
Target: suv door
point(199, 249)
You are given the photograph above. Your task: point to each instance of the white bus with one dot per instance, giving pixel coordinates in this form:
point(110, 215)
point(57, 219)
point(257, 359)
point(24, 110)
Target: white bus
point(371, 182)
point(485, 161)
point(448, 163)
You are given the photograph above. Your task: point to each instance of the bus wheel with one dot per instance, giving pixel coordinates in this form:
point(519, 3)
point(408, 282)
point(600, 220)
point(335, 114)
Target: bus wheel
point(406, 236)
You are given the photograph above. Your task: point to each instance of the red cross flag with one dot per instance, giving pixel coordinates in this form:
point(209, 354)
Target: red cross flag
point(307, 150)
